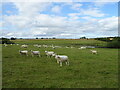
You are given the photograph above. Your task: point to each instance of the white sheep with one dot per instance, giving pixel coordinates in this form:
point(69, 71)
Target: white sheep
point(93, 51)
point(25, 52)
point(53, 47)
point(5, 45)
point(83, 47)
point(35, 53)
point(35, 45)
point(24, 46)
point(39, 46)
point(62, 58)
point(49, 53)
point(45, 46)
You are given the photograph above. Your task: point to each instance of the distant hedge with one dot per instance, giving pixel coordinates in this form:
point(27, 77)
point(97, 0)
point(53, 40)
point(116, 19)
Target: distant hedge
point(5, 40)
point(114, 44)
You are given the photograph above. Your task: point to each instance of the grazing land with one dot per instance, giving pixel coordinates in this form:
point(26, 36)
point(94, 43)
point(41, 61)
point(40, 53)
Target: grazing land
point(86, 70)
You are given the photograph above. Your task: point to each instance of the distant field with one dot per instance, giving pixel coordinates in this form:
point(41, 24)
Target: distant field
point(62, 42)
point(86, 70)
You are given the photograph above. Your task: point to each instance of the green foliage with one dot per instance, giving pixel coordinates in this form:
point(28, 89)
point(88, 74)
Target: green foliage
point(7, 41)
point(12, 38)
point(114, 44)
point(82, 37)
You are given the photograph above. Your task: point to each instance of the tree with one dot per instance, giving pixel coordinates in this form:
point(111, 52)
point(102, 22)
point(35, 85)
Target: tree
point(12, 38)
point(36, 37)
point(7, 41)
point(83, 37)
point(54, 38)
point(114, 44)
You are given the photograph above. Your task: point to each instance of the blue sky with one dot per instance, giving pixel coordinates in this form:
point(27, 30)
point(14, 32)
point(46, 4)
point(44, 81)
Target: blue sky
point(59, 19)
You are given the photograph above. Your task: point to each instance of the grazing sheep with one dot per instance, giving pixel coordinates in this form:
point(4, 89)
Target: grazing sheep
point(62, 58)
point(35, 45)
point(35, 53)
point(53, 47)
point(24, 52)
point(93, 51)
point(39, 46)
point(24, 46)
point(45, 46)
point(66, 47)
point(5, 45)
point(72, 47)
point(83, 47)
point(49, 53)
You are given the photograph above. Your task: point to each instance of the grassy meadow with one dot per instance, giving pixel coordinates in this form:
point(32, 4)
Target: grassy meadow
point(86, 70)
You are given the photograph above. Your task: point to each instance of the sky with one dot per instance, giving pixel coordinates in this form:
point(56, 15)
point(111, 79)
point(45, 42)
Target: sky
point(58, 19)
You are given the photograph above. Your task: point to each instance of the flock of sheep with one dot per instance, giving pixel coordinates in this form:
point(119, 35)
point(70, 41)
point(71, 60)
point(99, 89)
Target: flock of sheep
point(59, 58)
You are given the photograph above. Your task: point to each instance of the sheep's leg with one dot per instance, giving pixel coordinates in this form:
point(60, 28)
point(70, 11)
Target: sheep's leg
point(67, 62)
point(57, 61)
point(39, 55)
point(32, 55)
point(60, 63)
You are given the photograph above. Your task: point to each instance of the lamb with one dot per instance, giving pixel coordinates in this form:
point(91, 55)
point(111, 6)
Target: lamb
point(93, 51)
point(24, 46)
point(35, 53)
point(24, 52)
point(49, 53)
point(62, 58)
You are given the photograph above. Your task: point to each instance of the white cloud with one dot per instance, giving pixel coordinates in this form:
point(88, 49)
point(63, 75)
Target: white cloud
point(56, 9)
point(94, 12)
point(31, 9)
point(30, 22)
point(76, 6)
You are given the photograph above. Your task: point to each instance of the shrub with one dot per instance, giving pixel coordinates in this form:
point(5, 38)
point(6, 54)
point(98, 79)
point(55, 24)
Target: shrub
point(7, 41)
point(114, 44)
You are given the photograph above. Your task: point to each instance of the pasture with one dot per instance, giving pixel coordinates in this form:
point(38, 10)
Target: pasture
point(86, 70)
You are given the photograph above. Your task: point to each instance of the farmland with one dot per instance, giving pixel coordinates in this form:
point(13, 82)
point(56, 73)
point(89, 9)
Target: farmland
point(86, 70)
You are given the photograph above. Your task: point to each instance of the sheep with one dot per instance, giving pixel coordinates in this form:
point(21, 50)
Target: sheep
point(5, 45)
point(35, 45)
point(35, 53)
point(53, 47)
point(71, 47)
point(66, 47)
point(25, 52)
point(83, 47)
point(24, 46)
point(45, 46)
point(49, 53)
point(39, 46)
point(93, 51)
point(62, 58)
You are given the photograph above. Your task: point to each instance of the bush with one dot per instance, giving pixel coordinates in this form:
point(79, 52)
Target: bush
point(7, 41)
point(114, 44)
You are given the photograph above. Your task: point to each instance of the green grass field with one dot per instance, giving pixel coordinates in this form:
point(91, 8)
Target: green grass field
point(86, 70)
